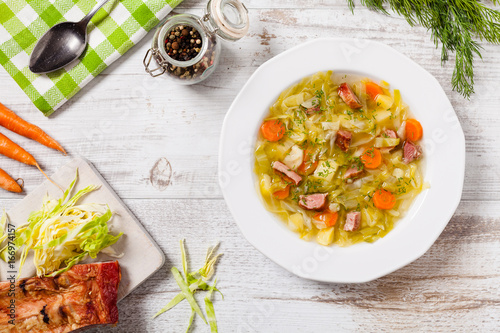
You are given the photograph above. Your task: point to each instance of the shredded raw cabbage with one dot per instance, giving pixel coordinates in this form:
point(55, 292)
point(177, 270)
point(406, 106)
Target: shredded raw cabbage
point(3, 225)
point(209, 305)
point(62, 233)
point(3, 236)
point(313, 113)
point(193, 282)
point(188, 294)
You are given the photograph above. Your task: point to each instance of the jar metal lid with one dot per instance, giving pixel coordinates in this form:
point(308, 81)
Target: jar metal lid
point(228, 18)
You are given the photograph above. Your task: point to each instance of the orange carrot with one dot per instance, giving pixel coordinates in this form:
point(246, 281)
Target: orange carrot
point(307, 167)
point(327, 217)
point(371, 158)
point(282, 194)
point(12, 150)
point(383, 199)
point(373, 90)
point(273, 130)
point(14, 123)
point(8, 183)
point(414, 130)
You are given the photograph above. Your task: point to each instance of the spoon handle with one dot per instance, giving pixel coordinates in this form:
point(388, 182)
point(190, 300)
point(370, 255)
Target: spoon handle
point(91, 14)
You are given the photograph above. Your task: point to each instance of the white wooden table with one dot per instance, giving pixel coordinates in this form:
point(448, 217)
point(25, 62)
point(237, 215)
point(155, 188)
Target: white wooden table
point(125, 121)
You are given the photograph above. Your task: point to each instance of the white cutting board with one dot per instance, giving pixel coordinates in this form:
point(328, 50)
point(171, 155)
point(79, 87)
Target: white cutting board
point(141, 255)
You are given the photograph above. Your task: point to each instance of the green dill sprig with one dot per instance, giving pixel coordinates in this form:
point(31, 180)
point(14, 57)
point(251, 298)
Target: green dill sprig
point(456, 24)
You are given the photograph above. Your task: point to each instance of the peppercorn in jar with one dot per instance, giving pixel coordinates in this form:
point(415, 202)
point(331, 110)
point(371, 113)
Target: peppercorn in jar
point(185, 46)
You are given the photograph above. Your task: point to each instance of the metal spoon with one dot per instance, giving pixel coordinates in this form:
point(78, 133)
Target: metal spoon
point(61, 44)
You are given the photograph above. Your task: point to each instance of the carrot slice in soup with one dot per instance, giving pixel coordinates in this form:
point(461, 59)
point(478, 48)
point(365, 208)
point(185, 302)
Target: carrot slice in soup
point(383, 199)
point(273, 130)
point(373, 90)
point(371, 158)
point(307, 167)
point(327, 217)
point(414, 130)
point(282, 194)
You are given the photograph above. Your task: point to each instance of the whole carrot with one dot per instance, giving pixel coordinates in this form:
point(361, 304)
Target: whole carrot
point(16, 152)
point(8, 183)
point(14, 123)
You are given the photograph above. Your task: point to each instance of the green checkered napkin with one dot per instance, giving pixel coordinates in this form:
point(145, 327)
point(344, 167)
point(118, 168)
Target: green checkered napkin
point(114, 29)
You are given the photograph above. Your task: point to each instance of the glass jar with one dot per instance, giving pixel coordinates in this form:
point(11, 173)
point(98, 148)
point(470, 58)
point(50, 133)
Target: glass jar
point(186, 48)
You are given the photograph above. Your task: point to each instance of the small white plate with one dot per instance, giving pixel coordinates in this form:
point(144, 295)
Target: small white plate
point(141, 255)
point(444, 150)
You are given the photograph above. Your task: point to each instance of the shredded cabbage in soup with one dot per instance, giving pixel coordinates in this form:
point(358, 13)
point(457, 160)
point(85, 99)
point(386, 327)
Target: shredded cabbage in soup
point(338, 158)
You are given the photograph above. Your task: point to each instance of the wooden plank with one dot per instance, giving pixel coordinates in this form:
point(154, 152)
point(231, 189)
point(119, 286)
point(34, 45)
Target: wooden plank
point(454, 286)
point(124, 121)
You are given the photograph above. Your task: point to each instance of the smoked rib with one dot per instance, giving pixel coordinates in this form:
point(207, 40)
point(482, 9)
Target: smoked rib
point(84, 296)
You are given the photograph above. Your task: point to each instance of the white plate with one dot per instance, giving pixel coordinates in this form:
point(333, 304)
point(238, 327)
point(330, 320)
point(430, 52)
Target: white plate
point(444, 149)
point(141, 256)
